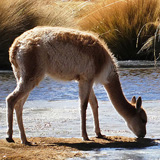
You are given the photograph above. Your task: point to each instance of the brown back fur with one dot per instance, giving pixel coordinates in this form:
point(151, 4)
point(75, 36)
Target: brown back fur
point(86, 43)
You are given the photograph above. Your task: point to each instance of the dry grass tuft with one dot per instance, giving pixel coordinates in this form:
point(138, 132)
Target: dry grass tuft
point(19, 16)
point(15, 18)
point(118, 23)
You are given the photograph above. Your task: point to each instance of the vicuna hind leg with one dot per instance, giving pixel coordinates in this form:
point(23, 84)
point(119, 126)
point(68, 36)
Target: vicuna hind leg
point(84, 91)
point(10, 108)
point(16, 100)
point(19, 109)
point(9, 112)
point(94, 105)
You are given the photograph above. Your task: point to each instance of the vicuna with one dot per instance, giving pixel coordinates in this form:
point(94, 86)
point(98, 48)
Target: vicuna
point(68, 54)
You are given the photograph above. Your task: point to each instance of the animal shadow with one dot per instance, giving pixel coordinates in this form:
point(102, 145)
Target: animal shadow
point(109, 142)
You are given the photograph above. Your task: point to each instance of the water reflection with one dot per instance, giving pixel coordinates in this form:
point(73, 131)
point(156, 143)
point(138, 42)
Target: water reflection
point(141, 82)
point(122, 154)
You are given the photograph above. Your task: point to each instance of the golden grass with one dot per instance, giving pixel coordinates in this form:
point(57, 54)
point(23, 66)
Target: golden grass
point(19, 16)
point(118, 23)
point(14, 20)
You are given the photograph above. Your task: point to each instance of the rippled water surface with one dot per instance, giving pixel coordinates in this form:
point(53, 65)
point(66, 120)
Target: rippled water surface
point(52, 109)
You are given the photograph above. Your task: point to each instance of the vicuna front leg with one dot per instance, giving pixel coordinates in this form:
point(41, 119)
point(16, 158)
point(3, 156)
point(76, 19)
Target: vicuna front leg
point(94, 105)
point(84, 92)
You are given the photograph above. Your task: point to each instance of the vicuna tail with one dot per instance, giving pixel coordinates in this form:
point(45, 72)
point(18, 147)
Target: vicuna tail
point(12, 54)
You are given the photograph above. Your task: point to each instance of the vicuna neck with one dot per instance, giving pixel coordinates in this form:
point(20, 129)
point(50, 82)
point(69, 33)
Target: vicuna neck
point(119, 101)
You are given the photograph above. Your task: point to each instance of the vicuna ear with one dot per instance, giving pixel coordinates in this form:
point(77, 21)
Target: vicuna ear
point(139, 104)
point(133, 101)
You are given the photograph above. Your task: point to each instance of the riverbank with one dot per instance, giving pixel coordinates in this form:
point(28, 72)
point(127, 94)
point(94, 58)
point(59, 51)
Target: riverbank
point(63, 148)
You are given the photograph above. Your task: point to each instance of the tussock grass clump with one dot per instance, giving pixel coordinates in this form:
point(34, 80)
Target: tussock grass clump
point(55, 14)
point(118, 22)
point(15, 18)
point(18, 16)
point(151, 47)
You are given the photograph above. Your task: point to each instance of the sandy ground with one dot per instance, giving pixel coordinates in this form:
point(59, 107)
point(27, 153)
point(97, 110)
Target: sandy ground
point(63, 148)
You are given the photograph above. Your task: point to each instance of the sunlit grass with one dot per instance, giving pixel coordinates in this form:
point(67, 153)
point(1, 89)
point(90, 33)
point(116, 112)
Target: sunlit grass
point(15, 18)
point(118, 23)
point(19, 16)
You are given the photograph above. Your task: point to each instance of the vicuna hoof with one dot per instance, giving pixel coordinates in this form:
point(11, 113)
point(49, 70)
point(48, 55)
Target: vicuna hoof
point(101, 136)
point(10, 140)
point(86, 139)
point(27, 143)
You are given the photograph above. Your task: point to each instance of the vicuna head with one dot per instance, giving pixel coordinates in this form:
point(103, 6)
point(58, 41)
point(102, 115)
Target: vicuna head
point(137, 122)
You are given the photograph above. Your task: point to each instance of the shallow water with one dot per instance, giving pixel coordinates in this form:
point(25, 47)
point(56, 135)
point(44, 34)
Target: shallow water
point(52, 109)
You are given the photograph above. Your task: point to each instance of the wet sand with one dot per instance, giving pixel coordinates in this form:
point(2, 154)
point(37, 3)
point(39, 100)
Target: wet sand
point(63, 148)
